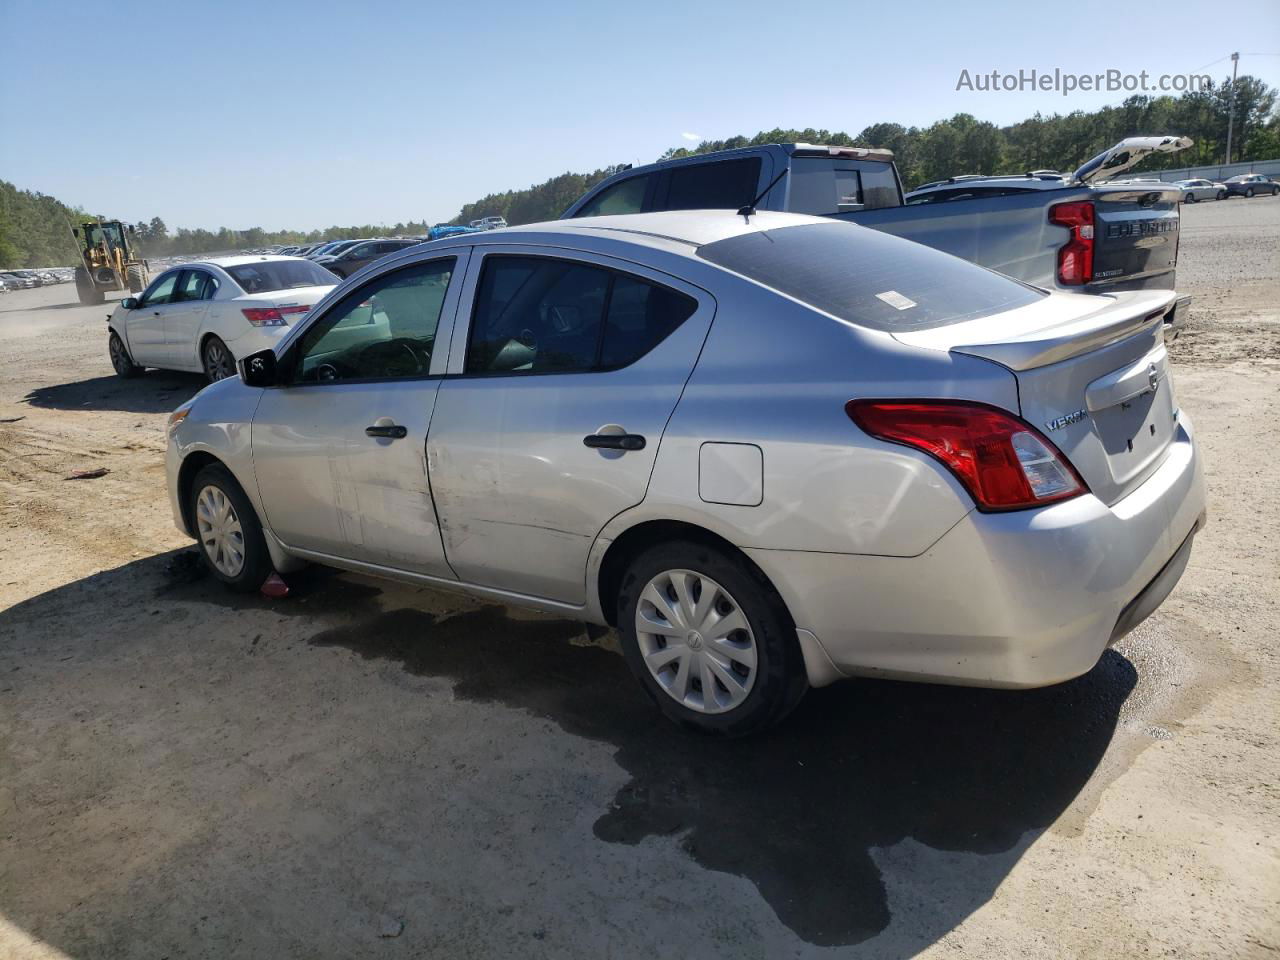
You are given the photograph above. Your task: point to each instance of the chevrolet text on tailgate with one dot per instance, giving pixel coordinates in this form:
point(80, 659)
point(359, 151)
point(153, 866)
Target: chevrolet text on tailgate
point(1072, 232)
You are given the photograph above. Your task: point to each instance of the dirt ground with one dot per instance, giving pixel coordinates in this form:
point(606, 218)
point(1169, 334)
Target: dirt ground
point(366, 769)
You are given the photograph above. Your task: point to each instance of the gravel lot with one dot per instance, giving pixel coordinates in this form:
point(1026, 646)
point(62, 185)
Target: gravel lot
point(367, 769)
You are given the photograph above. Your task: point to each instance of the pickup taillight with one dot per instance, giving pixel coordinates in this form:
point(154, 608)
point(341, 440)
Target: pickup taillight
point(1075, 257)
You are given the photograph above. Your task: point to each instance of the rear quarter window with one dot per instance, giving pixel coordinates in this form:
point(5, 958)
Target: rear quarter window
point(869, 278)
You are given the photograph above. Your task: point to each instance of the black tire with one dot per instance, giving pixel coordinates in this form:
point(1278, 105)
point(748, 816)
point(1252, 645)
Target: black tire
point(780, 680)
point(136, 275)
point(1275, 190)
point(1249, 193)
point(89, 294)
point(217, 360)
point(121, 362)
point(256, 566)
point(1222, 195)
point(1190, 198)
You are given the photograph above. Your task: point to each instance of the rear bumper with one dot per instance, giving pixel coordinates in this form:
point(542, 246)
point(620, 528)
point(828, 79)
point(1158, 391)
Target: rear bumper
point(255, 339)
point(1021, 599)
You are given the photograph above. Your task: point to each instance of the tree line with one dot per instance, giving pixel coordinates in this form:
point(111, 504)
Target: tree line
point(34, 227)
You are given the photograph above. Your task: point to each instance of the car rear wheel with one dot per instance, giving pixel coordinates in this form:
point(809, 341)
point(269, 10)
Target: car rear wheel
point(121, 362)
point(227, 529)
point(709, 639)
point(1249, 193)
point(217, 359)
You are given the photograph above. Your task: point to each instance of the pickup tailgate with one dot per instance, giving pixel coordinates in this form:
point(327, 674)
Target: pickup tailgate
point(1135, 233)
point(1093, 376)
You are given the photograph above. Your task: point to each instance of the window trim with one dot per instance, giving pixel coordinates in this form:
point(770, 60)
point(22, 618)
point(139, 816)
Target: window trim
point(582, 258)
point(288, 355)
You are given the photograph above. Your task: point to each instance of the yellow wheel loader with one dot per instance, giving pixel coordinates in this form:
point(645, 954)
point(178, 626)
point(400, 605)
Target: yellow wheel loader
point(108, 262)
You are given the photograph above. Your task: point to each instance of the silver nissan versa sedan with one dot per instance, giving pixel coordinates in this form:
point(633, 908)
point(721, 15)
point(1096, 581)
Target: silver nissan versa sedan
point(773, 450)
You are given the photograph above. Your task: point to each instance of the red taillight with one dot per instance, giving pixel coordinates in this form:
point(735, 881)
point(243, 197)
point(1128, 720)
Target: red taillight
point(271, 316)
point(1075, 258)
point(1004, 463)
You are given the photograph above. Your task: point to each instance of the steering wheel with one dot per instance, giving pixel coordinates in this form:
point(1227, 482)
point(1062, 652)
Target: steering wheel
point(392, 353)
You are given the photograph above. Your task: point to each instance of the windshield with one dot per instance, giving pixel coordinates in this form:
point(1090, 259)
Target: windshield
point(268, 275)
point(869, 278)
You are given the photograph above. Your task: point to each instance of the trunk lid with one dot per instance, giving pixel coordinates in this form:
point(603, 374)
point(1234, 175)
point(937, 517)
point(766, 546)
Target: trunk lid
point(1135, 232)
point(1093, 377)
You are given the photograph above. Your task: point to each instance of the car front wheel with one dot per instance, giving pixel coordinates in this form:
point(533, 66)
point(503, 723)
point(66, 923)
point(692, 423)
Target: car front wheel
point(227, 528)
point(121, 362)
point(709, 639)
point(1222, 194)
point(1249, 193)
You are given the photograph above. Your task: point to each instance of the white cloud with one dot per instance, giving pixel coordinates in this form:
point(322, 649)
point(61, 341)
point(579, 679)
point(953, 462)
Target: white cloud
point(692, 137)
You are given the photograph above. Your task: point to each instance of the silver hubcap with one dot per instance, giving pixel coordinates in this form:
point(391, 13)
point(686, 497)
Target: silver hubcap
point(696, 641)
point(217, 362)
point(220, 532)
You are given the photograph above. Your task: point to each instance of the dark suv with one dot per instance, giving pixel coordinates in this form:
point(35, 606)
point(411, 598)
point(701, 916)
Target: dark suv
point(363, 254)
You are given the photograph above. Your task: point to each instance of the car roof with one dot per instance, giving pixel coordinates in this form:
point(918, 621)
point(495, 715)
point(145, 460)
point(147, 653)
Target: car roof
point(685, 227)
point(225, 262)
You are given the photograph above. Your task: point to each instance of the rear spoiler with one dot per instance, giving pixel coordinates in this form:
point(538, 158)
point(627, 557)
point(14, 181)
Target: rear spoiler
point(1125, 154)
point(1129, 312)
point(855, 153)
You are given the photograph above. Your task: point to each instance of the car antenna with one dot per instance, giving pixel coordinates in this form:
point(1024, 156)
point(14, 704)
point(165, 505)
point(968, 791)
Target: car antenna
point(746, 212)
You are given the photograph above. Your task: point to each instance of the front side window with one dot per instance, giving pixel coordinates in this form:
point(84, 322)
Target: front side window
point(624, 197)
point(161, 291)
point(538, 315)
point(385, 330)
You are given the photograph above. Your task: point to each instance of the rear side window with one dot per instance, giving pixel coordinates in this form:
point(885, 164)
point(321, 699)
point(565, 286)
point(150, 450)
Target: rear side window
point(626, 196)
point(869, 278)
point(541, 315)
point(723, 185)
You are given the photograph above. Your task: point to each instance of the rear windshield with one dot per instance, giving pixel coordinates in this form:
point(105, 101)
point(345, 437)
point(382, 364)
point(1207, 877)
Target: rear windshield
point(269, 275)
point(869, 278)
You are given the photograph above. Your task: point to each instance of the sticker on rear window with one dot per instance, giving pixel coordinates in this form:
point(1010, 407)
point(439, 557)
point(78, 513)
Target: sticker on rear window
point(896, 300)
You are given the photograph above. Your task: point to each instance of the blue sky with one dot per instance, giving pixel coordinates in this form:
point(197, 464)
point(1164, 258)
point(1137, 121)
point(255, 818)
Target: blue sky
point(305, 114)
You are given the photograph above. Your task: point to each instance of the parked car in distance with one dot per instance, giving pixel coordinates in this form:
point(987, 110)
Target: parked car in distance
point(489, 223)
point(1251, 184)
point(769, 471)
point(203, 316)
point(288, 251)
point(36, 279)
point(1193, 191)
point(18, 281)
point(333, 249)
point(1059, 231)
point(360, 255)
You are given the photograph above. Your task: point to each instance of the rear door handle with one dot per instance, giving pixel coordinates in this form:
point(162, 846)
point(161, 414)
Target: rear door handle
point(392, 432)
point(614, 441)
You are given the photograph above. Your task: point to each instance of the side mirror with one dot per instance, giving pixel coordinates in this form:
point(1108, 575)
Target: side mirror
point(259, 369)
point(129, 303)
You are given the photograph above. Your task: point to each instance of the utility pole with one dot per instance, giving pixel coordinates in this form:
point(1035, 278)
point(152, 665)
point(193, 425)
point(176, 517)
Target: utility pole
point(1231, 110)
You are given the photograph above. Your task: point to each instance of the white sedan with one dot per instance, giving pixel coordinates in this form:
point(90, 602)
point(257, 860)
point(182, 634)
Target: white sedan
point(1193, 191)
point(205, 315)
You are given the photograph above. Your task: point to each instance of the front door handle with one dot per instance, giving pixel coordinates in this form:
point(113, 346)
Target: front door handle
point(614, 441)
point(390, 432)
